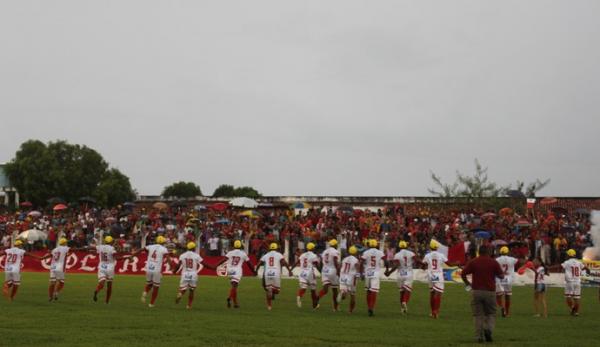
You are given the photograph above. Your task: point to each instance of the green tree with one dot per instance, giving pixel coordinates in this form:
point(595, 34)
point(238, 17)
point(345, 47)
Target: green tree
point(181, 190)
point(114, 189)
point(532, 188)
point(224, 191)
point(229, 191)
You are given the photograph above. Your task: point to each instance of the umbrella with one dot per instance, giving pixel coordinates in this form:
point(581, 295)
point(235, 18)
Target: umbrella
point(223, 221)
point(244, 202)
point(199, 208)
point(300, 205)
point(160, 205)
point(346, 209)
point(265, 204)
point(128, 204)
point(33, 235)
point(515, 194)
point(488, 215)
point(35, 214)
point(110, 219)
point(523, 223)
point(483, 235)
point(26, 204)
point(548, 201)
point(219, 206)
point(193, 220)
point(60, 207)
point(583, 211)
point(179, 203)
point(505, 211)
point(251, 214)
point(496, 243)
point(87, 200)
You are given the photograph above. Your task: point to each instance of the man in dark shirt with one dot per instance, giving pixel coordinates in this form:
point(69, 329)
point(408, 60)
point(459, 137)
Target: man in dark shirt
point(484, 270)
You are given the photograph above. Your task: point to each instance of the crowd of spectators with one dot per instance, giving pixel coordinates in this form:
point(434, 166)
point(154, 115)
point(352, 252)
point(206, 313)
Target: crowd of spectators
point(539, 233)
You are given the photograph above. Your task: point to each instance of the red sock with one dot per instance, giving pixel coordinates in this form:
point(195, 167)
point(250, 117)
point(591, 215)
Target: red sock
point(322, 293)
point(61, 285)
point(406, 297)
point(499, 301)
point(335, 295)
point(352, 305)
point(576, 307)
point(370, 300)
point(432, 303)
point(154, 295)
point(14, 291)
point(190, 298)
point(373, 299)
point(438, 303)
point(301, 292)
point(147, 288)
point(108, 291)
point(507, 305)
point(569, 303)
point(99, 286)
point(314, 296)
point(268, 299)
point(51, 290)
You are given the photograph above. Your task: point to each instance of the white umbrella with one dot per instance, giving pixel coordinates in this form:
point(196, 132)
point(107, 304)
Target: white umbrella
point(33, 235)
point(244, 202)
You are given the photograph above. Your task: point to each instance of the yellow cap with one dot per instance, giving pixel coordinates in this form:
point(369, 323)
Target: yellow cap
point(273, 246)
point(352, 250)
point(504, 250)
point(108, 239)
point(433, 244)
point(18, 243)
point(571, 252)
point(333, 242)
point(310, 246)
point(160, 240)
point(62, 241)
point(402, 244)
point(191, 245)
point(372, 243)
point(237, 244)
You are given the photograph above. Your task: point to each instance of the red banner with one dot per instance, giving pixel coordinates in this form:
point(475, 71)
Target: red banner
point(87, 262)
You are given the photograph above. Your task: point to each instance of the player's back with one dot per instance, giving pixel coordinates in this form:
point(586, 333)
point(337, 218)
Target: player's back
point(573, 268)
point(14, 256)
point(435, 261)
point(307, 260)
point(191, 261)
point(236, 258)
point(405, 260)
point(372, 258)
point(507, 264)
point(272, 261)
point(156, 254)
point(106, 253)
point(348, 266)
point(328, 257)
point(59, 255)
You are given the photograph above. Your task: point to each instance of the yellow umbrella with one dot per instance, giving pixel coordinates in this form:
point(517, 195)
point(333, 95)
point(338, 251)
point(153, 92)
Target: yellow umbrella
point(251, 214)
point(160, 205)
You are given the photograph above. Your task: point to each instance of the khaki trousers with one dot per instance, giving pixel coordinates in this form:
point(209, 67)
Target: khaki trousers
point(483, 304)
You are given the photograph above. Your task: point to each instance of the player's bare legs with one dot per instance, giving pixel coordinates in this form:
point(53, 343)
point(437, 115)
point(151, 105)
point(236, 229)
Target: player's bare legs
point(108, 290)
point(60, 284)
point(269, 298)
point(13, 293)
point(147, 288)
point(335, 300)
point(315, 298)
point(190, 298)
point(575, 309)
point(51, 290)
point(155, 288)
point(99, 287)
point(569, 301)
point(323, 291)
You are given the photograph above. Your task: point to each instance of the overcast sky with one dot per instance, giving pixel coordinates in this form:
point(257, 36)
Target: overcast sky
point(310, 97)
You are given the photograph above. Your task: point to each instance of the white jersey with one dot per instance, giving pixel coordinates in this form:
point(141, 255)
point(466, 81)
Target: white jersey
point(272, 262)
point(235, 260)
point(405, 259)
point(540, 272)
point(328, 257)
point(573, 269)
point(435, 262)
point(348, 267)
point(507, 264)
point(156, 254)
point(191, 262)
point(59, 258)
point(14, 257)
point(107, 256)
point(308, 260)
point(372, 258)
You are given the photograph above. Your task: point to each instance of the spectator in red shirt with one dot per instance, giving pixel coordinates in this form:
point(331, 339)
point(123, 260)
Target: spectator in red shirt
point(484, 270)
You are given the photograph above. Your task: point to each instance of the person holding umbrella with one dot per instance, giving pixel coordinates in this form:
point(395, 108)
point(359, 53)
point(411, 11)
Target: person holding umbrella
point(484, 270)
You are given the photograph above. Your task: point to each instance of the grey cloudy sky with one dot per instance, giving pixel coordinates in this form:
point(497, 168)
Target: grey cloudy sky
point(310, 97)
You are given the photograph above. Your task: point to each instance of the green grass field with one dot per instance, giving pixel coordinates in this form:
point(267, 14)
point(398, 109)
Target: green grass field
point(75, 320)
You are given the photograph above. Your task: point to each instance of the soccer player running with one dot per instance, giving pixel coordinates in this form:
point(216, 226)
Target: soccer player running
point(106, 267)
point(235, 260)
point(12, 269)
point(404, 261)
point(350, 269)
point(371, 260)
point(504, 285)
point(308, 261)
point(272, 262)
point(330, 272)
point(573, 268)
point(154, 263)
point(189, 264)
point(57, 268)
point(434, 261)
